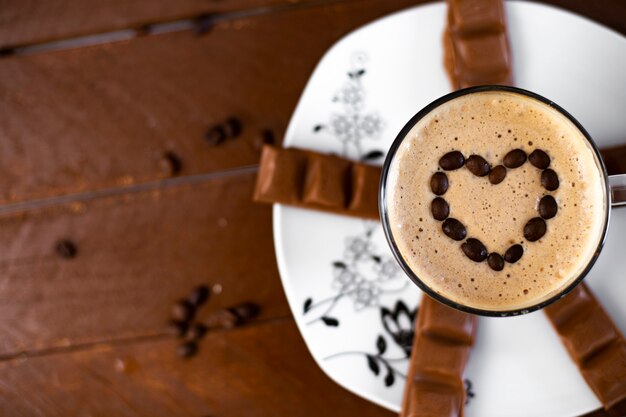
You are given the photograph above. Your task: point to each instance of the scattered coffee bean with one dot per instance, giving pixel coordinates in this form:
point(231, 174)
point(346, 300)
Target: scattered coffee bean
point(477, 165)
point(515, 158)
point(452, 160)
point(204, 23)
point(549, 180)
point(266, 137)
point(548, 207)
point(183, 310)
point(170, 163)
point(495, 261)
point(66, 249)
point(187, 349)
point(514, 254)
point(7, 52)
point(535, 229)
point(233, 127)
point(474, 249)
point(439, 183)
point(215, 135)
point(179, 328)
point(539, 159)
point(196, 332)
point(143, 30)
point(199, 295)
point(440, 208)
point(223, 318)
point(454, 229)
point(497, 174)
point(245, 311)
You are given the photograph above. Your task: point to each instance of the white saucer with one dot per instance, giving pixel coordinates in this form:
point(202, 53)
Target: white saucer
point(358, 303)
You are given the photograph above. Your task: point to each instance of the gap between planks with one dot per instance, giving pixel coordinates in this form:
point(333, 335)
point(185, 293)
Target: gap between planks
point(126, 341)
point(200, 24)
point(122, 190)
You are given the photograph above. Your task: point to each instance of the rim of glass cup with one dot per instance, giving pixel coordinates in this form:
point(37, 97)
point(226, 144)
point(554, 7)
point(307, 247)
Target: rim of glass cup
point(385, 220)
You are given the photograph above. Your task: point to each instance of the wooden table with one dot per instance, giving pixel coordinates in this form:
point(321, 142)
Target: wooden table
point(104, 106)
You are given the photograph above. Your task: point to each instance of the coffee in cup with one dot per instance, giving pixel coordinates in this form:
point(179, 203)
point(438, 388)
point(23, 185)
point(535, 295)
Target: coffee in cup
point(494, 200)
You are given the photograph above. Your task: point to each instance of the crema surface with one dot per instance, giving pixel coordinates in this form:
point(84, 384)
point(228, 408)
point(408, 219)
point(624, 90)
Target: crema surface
point(491, 124)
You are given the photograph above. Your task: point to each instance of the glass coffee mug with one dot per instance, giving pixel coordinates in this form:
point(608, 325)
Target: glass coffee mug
point(489, 141)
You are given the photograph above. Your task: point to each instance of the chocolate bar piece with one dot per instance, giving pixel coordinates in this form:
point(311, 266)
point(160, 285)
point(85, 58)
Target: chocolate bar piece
point(314, 180)
point(443, 340)
point(594, 343)
point(476, 46)
point(615, 159)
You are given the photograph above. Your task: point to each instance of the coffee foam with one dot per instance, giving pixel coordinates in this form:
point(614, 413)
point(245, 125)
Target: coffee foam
point(491, 124)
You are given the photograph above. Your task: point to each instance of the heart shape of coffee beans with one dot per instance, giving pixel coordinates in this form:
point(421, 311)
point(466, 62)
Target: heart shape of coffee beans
point(534, 229)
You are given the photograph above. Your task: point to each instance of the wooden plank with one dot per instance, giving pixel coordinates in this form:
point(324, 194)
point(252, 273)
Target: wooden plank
point(257, 371)
point(137, 254)
point(103, 116)
point(27, 22)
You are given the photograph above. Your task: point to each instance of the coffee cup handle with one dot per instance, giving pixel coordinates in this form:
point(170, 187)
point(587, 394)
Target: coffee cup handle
point(617, 183)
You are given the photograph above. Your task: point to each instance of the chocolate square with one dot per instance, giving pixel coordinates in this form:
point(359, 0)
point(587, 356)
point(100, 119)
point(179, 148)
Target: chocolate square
point(563, 310)
point(446, 323)
point(326, 182)
point(587, 334)
point(364, 198)
point(606, 374)
point(436, 356)
point(427, 398)
point(468, 17)
point(280, 176)
point(483, 57)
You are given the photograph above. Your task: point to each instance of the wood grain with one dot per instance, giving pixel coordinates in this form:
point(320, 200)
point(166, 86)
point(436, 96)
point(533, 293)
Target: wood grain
point(257, 371)
point(103, 116)
point(137, 254)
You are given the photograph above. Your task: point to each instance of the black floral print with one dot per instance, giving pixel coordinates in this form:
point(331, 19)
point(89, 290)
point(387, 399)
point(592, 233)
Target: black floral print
point(352, 124)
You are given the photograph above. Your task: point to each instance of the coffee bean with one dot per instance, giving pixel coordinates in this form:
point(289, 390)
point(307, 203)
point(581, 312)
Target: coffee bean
point(452, 160)
point(204, 23)
point(179, 328)
point(497, 174)
point(440, 208)
point(495, 262)
point(7, 52)
point(187, 349)
point(223, 318)
point(474, 249)
point(535, 229)
point(266, 137)
point(454, 229)
point(477, 165)
point(539, 159)
point(245, 311)
point(513, 254)
point(170, 163)
point(215, 135)
point(183, 310)
point(196, 332)
point(233, 127)
point(548, 207)
point(549, 180)
point(515, 158)
point(439, 183)
point(199, 295)
point(66, 249)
